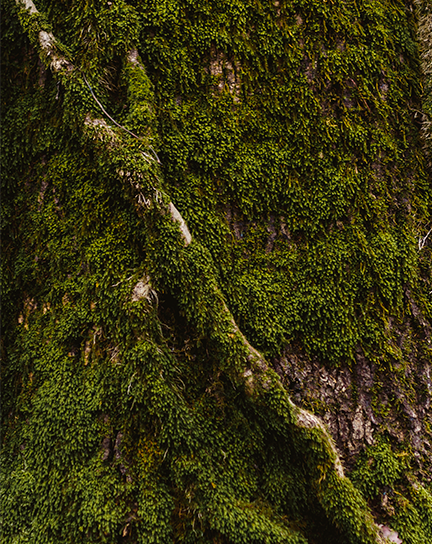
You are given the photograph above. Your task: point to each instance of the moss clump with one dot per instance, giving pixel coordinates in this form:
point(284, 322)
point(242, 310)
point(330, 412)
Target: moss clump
point(384, 477)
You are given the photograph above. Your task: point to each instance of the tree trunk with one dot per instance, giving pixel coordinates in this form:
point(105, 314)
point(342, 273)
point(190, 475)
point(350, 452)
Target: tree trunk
point(135, 407)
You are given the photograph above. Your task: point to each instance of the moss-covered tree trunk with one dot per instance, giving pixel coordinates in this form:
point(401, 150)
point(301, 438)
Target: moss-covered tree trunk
point(211, 208)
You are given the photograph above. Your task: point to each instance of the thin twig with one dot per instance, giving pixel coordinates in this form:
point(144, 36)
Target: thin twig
point(106, 113)
point(121, 281)
point(118, 124)
point(422, 241)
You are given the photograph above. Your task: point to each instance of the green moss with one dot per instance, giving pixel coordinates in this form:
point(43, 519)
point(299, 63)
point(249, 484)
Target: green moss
point(384, 475)
point(287, 144)
point(314, 136)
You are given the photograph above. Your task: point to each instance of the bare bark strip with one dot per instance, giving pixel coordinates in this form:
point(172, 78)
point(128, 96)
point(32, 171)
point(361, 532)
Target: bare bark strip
point(424, 33)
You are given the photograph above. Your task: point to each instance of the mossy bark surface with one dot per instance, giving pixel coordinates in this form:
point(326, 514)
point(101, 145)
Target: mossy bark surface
point(211, 210)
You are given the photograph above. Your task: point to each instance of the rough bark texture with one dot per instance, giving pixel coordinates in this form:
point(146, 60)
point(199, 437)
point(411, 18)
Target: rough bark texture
point(352, 400)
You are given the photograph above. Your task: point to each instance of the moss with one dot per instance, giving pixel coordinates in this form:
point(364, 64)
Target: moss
point(286, 142)
point(384, 477)
point(238, 130)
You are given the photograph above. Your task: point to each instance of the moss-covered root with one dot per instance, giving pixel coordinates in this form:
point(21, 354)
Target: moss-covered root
point(189, 274)
point(136, 166)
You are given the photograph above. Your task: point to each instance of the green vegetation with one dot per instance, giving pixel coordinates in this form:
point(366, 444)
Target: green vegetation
point(287, 141)
point(379, 474)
